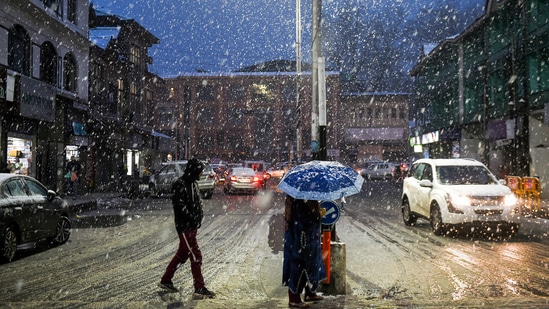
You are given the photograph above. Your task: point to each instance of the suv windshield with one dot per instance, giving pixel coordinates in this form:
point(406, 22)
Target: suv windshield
point(461, 175)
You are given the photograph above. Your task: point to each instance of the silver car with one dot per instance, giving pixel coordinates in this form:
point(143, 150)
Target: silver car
point(161, 181)
point(241, 179)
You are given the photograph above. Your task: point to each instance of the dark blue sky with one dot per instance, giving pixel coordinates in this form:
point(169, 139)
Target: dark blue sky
point(212, 35)
point(227, 35)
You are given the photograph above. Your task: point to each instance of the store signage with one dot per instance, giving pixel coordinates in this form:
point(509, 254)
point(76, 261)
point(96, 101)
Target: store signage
point(428, 138)
point(37, 100)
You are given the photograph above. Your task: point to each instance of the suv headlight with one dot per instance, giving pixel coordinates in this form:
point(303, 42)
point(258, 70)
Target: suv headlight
point(455, 200)
point(510, 200)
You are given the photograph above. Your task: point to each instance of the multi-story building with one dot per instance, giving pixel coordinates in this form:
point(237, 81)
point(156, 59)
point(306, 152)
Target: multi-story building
point(122, 100)
point(485, 93)
point(245, 115)
point(375, 126)
point(43, 86)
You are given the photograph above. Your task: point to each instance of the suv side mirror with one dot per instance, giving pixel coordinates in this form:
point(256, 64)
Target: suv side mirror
point(425, 183)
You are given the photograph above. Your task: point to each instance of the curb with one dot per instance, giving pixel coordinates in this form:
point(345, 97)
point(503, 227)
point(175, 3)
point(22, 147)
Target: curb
point(85, 212)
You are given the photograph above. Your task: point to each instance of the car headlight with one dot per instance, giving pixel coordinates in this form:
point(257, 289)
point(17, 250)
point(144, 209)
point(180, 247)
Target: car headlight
point(460, 200)
point(455, 200)
point(510, 200)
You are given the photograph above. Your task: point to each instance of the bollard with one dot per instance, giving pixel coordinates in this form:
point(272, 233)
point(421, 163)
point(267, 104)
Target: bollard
point(338, 271)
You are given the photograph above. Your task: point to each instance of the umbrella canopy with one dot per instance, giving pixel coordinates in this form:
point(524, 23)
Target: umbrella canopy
point(321, 181)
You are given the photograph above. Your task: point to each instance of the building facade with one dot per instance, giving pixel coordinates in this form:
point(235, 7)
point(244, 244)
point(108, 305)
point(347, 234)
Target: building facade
point(484, 94)
point(43, 86)
point(122, 102)
point(246, 115)
point(375, 126)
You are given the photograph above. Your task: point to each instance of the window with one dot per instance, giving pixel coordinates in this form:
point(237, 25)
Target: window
point(236, 93)
point(54, 5)
point(262, 93)
point(72, 11)
point(135, 55)
point(134, 103)
point(393, 113)
point(48, 64)
point(69, 73)
point(166, 118)
point(19, 50)
point(98, 79)
point(121, 97)
point(289, 93)
point(205, 93)
point(205, 116)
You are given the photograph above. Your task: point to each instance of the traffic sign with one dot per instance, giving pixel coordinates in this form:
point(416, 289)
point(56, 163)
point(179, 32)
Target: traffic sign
point(332, 212)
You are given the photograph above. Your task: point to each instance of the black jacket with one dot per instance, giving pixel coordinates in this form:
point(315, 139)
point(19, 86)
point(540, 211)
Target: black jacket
point(187, 205)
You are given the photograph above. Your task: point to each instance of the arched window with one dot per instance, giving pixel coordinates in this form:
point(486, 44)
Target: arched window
point(70, 71)
point(19, 50)
point(48, 64)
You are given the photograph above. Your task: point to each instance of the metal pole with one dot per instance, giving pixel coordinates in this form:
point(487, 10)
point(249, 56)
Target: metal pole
point(322, 108)
point(298, 79)
point(316, 11)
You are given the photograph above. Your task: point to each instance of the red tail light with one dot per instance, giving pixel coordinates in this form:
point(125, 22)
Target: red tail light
point(256, 179)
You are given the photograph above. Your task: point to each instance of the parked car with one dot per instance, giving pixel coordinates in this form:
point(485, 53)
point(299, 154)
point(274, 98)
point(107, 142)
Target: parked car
point(451, 192)
point(260, 168)
point(278, 170)
point(161, 181)
point(28, 213)
point(219, 170)
point(379, 170)
point(241, 179)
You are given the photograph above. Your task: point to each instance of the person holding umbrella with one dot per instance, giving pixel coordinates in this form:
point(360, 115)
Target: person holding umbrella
point(303, 268)
point(306, 185)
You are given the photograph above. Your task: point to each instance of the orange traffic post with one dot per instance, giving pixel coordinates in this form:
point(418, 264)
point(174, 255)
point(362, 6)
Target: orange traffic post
point(326, 236)
point(515, 184)
point(532, 193)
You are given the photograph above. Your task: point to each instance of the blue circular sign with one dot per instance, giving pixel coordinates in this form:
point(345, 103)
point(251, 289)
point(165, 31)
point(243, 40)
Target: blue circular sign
point(332, 212)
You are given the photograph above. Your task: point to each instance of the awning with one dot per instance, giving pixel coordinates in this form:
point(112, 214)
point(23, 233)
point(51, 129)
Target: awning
point(374, 134)
point(158, 134)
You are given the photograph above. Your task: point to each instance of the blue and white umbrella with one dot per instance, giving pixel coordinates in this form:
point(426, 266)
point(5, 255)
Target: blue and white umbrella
point(321, 181)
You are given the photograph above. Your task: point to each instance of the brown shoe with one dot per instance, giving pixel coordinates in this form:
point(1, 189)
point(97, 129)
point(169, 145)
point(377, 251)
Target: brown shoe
point(313, 297)
point(298, 305)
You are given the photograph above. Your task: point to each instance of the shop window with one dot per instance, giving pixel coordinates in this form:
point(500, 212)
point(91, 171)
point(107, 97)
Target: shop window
point(19, 155)
point(19, 50)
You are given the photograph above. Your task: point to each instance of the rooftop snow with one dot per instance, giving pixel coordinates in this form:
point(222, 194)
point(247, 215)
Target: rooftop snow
point(101, 36)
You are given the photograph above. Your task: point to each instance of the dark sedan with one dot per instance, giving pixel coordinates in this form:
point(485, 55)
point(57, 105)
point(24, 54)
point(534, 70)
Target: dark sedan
point(29, 212)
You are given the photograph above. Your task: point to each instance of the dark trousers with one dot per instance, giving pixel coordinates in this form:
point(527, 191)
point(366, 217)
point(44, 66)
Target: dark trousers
point(188, 249)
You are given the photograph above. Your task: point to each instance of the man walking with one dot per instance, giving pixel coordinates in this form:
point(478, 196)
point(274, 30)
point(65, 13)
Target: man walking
point(188, 214)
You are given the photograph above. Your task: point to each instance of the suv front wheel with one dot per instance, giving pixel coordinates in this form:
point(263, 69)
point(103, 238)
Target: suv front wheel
point(435, 219)
point(407, 215)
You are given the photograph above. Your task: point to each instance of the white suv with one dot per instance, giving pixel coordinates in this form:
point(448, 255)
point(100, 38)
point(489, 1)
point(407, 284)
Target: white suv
point(458, 192)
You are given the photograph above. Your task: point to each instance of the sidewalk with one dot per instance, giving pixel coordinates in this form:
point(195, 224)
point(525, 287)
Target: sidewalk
point(86, 211)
